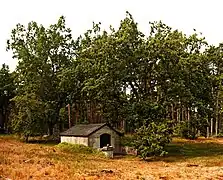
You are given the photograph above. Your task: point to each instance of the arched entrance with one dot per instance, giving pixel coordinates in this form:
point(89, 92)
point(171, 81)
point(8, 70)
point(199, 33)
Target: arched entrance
point(104, 140)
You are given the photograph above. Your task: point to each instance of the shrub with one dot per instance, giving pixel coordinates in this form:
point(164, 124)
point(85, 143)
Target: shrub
point(220, 134)
point(78, 148)
point(128, 140)
point(186, 130)
point(152, 138)
point(189, 130)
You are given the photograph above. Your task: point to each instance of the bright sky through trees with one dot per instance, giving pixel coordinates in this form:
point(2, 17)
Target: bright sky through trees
point(204, 16)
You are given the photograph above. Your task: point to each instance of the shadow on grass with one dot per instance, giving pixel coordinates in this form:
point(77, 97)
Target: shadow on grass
point(44, 142)
point(180, 151)
point(32, 140)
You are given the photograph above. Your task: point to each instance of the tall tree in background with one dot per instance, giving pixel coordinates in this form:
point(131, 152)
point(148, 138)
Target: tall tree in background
point(215, 58)
point(7, 91)
point(145, 83)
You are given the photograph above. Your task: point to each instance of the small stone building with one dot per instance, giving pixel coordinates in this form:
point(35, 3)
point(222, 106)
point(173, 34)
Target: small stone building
point(93, 135)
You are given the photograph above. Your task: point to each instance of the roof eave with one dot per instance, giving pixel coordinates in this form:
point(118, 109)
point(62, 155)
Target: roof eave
point(72, 135)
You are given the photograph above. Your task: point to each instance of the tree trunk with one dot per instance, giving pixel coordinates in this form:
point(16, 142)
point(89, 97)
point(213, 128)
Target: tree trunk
point(50, 129)
point(216, 127)
point(27, 138)
point(181, 112)
point(69, 116)
point(188, 118)
point(188, 114)
point(1, 120)
point(124, 125)
point(207, 132)
point(172, 111)
point(178, 115)
point(216, 115)
point(211, 126)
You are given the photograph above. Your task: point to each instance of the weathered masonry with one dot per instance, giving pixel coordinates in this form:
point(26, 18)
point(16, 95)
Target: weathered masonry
point(93, 135)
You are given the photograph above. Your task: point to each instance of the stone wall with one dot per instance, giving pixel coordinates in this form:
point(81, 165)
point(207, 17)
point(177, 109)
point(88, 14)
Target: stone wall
point(94, 139)
point(74, 140)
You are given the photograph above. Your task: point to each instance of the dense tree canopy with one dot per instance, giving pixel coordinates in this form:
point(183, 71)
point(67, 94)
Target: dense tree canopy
point(152, 84)
point(7, 91)
point(42, 53)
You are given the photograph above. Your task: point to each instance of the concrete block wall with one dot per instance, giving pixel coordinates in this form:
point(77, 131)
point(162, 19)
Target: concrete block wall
point(74, 140)
point(94, 139)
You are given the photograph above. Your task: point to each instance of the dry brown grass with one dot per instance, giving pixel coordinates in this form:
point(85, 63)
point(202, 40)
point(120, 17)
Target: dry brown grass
point(35, 161)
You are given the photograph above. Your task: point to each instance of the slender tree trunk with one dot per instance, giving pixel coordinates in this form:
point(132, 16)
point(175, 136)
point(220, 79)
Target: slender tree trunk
point(216, 115)
point(177, 115)
point(188, 114)
point(1, 119)
point(207, 132)
point(124, 125)
point(198, 133)
point(27, 138)
point(211, 126)
point(77, 113)
point(50, 129)
point(216, 127)
point(167, 112)
point(181, 112)
point(69, 119)
point(185, 114)
point(172, 111)
point(188, 118)
point(219, 122)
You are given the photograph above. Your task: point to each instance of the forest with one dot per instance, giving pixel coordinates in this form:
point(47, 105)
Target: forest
point(154, 86)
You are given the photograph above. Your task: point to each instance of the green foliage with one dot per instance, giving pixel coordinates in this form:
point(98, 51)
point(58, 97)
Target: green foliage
point(189, 130)
point(181, 149)
point(78, 148)
point(151, 139)
point(7, 91)
point(128, 140)
point(27, 118)
point(143, 112)
point(63, 117)
point(122, 74)
point(42, 54)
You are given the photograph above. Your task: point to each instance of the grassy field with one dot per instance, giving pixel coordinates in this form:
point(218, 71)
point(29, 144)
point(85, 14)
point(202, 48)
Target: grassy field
point(200, 159)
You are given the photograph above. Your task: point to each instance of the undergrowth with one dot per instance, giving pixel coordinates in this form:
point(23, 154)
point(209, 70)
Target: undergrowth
point(78, 148)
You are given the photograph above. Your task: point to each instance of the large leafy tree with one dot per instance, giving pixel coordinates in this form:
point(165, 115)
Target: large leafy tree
point(130, 79)
point(27, 118)
point(42, 54)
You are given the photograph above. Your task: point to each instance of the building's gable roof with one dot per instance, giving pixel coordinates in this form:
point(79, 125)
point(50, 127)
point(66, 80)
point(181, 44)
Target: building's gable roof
point(85, 130)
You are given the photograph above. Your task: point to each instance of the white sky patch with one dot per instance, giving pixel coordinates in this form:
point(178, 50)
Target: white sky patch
point(204, 16)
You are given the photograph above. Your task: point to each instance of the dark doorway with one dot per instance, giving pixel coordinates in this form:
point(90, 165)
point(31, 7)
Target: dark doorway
point(104, 140)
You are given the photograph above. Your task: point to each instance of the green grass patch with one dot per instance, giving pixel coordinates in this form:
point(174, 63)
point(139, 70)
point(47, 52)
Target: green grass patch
point(190, 150)
point(209, 152)
point(183, 150)
point(78, 148)
point(32, 140)
point(9, 137)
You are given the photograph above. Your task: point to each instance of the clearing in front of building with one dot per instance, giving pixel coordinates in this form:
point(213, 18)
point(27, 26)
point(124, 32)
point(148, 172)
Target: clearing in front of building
point(200, 159)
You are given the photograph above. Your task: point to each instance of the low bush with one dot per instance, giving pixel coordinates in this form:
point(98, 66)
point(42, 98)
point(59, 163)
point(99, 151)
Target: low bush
point(186, 130)
point(78, 148)
point(220, 134)
point(128, 140)
point(192, 129)
point(152, 138)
